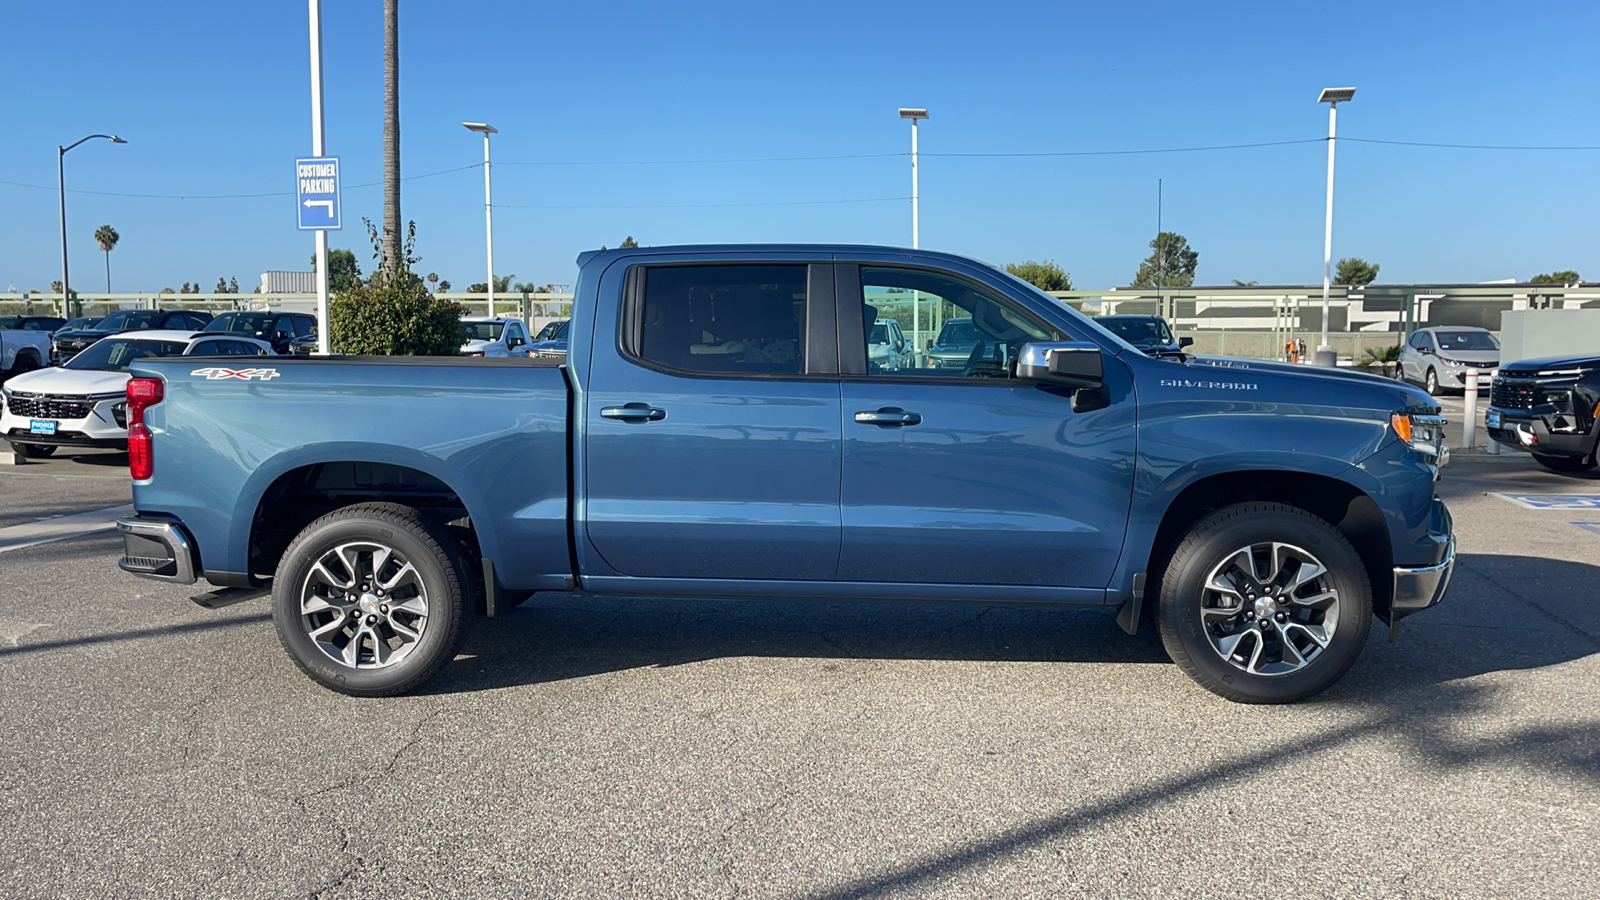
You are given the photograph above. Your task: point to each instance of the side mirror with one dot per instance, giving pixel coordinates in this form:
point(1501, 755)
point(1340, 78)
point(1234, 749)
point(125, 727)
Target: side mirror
point(929, 345)
point(1185, 342)
point(1074, 364)
point(514, 342)
point(1425, 351)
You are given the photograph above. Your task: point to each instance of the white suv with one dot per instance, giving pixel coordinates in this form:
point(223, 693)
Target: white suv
point(82, 403)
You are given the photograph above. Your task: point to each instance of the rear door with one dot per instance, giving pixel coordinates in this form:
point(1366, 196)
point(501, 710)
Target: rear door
point(712, 446)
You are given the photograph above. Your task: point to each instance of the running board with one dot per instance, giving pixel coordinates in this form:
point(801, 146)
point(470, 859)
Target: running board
point(229, 596)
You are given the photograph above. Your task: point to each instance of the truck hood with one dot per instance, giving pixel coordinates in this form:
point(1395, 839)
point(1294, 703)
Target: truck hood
point(1221, 365)
point(1550, 364)
point(69, 381)
point(476, 346)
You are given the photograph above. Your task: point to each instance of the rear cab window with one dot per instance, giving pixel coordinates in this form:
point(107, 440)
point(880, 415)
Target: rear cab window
point(721, 319)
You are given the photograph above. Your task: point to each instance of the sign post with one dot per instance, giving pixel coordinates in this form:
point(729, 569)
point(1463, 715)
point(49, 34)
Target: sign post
point(317, 194)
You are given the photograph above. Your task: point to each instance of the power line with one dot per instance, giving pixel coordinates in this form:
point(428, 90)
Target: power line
point(1133, 152)
point(1457, 146)
point(367, 184)
point(707, 205)
point(692, 162)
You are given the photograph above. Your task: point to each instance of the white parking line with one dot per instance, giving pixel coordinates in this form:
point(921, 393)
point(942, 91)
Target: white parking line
point(60, 528)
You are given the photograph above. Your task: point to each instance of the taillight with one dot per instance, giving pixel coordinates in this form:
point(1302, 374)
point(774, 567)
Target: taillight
point(143, 393)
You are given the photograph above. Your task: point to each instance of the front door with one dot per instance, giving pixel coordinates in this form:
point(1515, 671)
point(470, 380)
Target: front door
point(713, 428)
point(962, 473)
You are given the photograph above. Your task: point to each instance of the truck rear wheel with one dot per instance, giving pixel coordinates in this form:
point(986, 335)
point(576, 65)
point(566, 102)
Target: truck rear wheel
point(1264, 603)
point(372, 599)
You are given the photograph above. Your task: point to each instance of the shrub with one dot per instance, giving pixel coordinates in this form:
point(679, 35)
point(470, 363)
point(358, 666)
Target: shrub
point(394, 315)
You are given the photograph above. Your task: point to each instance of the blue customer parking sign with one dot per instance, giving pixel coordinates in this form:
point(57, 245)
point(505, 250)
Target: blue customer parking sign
point(316, 193)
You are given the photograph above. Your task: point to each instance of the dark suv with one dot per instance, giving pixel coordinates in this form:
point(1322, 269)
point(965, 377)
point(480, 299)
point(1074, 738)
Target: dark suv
point(1150, 334)
point(70, 343)
point(276, 328)
point(1550, 408)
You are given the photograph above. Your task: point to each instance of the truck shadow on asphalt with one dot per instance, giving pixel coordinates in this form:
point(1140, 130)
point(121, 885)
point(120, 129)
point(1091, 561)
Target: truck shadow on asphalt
point(1502, 613)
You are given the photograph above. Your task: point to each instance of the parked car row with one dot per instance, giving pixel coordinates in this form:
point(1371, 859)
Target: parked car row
point(83, 402)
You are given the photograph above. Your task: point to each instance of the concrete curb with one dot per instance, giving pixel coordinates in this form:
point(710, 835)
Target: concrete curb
point(9, 455)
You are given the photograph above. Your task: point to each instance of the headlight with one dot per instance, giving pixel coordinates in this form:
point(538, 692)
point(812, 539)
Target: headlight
point(1425, 434)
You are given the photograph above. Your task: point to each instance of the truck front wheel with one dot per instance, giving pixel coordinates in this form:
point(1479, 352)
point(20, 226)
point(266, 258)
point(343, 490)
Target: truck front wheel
point(370, 600)
point(1264, 603)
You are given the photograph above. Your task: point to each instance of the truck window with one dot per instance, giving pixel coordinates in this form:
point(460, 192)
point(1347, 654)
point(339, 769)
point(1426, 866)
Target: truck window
point(956, 329)
point(724, 319)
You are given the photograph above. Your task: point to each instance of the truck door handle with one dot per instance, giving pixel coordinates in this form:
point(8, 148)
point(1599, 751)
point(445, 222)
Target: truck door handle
point(889, 416)
point(634, 412)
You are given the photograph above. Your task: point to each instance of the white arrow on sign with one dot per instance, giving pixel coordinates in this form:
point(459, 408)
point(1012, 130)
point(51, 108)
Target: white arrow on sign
point(325, 204)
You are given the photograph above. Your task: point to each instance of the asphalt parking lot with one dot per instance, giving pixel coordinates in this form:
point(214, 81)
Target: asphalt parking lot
point(783, 749)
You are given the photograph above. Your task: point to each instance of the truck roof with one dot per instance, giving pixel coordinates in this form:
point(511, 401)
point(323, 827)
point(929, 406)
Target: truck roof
point(587, 256)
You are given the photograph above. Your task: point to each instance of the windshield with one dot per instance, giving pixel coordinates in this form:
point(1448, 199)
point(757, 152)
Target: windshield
point(560, 334)
point(129, 319)
point(9, 321)
point(1466, 340)
point(957, 331)
point(1139, 331)
point(251, 323)
point(482, 331)
point(83, 322)
point(114, 354)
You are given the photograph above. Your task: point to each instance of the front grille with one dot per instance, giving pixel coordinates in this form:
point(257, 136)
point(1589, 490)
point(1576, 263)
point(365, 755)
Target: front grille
point(48, 406)
point(1513, 394)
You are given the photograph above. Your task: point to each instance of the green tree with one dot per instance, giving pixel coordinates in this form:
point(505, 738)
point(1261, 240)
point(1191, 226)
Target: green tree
point(502, 284)
point(1382, 357)
point(393, 314)
point(1565, 276)
point(1046, 276)
point(526, 286)
point(1238, 283)
point(107, 238)
point(391, 252)
point(55, 287)
point(233, 285)
point(1355, 272)
point(222, 286)
point(432, 278)
point(1170, 264)
point(343, 270)
point(628, 243)
point(444, 286)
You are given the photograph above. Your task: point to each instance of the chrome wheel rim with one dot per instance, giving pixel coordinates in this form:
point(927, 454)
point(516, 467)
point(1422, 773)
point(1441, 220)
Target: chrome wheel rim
point(363, 605)
point(1269, 608)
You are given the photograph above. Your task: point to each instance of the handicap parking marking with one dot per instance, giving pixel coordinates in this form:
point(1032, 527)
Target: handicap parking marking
point(1589, 526)
point(1553, 501)
point(60, 528)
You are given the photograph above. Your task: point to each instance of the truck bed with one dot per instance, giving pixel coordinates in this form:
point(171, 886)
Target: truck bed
point(484, 438)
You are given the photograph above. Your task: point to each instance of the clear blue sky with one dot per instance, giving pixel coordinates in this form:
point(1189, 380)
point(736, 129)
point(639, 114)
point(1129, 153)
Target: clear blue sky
point(214, 99)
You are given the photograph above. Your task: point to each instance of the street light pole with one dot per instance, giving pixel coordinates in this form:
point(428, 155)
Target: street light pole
point(488, 207)
point(61, 184)
point(1333, 97)
point(915, 115)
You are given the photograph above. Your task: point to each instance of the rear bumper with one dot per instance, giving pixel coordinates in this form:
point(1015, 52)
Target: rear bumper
point(152, 548)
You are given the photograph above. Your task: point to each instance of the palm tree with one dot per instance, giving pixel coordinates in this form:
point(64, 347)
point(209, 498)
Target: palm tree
point(108, 237)
point(391, 136)
point(1382, 357)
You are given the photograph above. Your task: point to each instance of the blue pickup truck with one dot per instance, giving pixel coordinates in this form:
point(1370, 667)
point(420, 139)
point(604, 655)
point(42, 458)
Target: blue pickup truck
point(717, 429)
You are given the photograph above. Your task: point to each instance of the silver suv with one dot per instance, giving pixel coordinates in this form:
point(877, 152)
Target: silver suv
point(1437, 358)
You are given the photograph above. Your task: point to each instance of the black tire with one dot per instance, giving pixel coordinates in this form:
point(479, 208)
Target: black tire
point(1430, 383)
point(35, 451)
point(1565, 463)
point(1195, 635)
point(23, 364)
point(440, 577)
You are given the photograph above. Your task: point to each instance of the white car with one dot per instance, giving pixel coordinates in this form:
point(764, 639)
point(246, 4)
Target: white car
point(494, 337)
point(82, 403)
point(887, 347)
point(1438, 358)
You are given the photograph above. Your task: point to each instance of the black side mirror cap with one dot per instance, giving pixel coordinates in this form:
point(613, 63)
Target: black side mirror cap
point(1075, 364)
point(1185, 342)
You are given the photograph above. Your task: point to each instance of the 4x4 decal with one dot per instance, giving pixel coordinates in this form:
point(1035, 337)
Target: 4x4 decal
point(218, 374)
